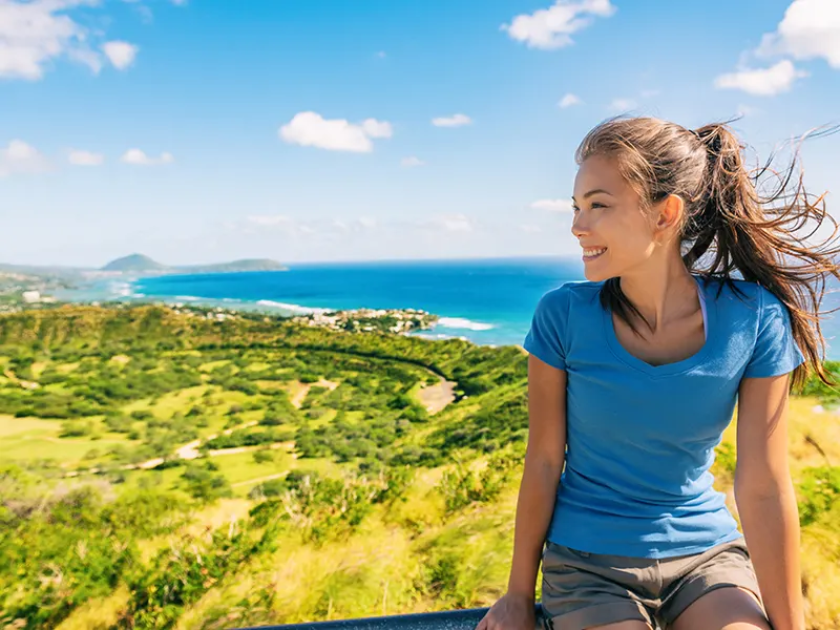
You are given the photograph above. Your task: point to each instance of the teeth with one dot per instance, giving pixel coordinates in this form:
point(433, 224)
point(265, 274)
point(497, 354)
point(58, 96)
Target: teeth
point(593, 252)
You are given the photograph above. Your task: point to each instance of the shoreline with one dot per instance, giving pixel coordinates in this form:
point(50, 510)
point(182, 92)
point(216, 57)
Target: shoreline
point(126, 291)
point(221, 308)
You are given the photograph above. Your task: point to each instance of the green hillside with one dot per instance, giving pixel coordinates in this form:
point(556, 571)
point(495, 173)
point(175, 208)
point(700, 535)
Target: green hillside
point(166, 470)
point(246, 264)
point(134, 262)
point(139, 263)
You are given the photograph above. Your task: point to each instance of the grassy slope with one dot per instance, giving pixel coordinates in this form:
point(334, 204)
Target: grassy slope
point(411, 557)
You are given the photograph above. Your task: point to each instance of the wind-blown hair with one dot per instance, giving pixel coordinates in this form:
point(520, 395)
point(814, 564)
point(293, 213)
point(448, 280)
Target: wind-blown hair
point(727, 213)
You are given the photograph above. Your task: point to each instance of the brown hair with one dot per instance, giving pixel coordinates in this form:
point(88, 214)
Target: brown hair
point(726, 213)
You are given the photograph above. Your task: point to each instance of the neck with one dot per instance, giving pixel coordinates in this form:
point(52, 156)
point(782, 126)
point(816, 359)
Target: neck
point(662, 292)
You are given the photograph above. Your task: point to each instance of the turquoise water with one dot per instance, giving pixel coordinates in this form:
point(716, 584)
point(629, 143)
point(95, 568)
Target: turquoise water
point(486, 301)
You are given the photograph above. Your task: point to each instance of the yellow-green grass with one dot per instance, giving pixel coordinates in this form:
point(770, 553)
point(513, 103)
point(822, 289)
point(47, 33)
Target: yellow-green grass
point(97, 613)
point(244, 473)
point(38, 368)
point(329, 416)
point(28, 427)
point(35, 438)
point(239, 467)
point(257, 366)
point(212, 365)
point(66, 368)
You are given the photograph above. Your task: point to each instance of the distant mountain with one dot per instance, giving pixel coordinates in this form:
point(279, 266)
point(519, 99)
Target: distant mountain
point(135, 262)
point(247, 264)
point(139, 263)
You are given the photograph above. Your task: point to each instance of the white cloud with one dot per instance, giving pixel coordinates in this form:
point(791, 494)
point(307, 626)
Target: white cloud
point(553, 28)
point(810, 29)
point(145, 14)
point(623, 104)
point(260, 223)
point(409, 162)
point(138, 157)
point(762, 82)
point(376, 129)
point(35, 33)
point(120, 54)
point(85, 158)
point(457, 120)
point(553, 205)
point(291, 226)
point(20, 157)
point(450, 223)
point(271, 220)
point(310, 129)
point(568, 100)
point(455, 223)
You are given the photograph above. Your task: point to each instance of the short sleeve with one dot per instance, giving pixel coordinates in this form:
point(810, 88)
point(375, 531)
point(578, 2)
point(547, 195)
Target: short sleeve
point(548, 325)
point(775, 350)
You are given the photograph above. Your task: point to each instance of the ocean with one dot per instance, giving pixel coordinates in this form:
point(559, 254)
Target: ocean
point(487, 301)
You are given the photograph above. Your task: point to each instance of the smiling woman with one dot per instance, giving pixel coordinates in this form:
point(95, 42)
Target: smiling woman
point(634, 375)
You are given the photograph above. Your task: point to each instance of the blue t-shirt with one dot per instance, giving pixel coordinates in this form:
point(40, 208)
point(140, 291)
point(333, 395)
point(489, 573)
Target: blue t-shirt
point(641, 438)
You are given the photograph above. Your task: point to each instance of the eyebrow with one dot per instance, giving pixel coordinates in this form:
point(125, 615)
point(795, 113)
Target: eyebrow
point(594, 191)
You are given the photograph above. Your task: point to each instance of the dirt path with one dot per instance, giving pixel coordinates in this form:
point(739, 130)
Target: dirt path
point(436, 397)
point(18, 381)
point(190, 449)
point(298, 398)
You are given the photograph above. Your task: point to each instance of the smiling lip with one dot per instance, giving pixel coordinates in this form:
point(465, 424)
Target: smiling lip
point(590, 258)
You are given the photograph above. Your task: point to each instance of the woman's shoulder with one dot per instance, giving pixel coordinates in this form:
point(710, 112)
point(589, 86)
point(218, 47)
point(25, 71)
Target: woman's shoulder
point(569, 293)
point(751, 293)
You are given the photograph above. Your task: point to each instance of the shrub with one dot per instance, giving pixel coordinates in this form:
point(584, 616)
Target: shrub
point(819, 491)
point(263, 456)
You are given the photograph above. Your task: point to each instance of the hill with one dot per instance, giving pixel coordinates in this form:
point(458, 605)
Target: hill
point(144, 264)
point(161, 469)
point(134, 262)
point(246, 264)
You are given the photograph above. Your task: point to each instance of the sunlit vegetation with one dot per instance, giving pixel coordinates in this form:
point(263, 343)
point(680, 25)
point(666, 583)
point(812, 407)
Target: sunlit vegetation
point(162, 470)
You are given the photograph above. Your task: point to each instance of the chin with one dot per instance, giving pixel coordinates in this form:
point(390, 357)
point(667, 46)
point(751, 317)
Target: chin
point(594, 275)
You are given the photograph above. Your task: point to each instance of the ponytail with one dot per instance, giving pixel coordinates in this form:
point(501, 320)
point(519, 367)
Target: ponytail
point(756, 236)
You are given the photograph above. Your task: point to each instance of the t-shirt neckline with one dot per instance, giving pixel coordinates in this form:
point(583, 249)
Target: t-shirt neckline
point(667, 369)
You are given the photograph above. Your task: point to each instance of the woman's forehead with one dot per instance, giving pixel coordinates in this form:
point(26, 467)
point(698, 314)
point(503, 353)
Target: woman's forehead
point(598, 172)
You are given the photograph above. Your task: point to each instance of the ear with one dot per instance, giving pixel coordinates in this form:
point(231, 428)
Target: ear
point(668, 213)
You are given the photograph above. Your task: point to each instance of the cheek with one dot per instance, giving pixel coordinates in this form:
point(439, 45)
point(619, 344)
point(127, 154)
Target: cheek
point(628, 234)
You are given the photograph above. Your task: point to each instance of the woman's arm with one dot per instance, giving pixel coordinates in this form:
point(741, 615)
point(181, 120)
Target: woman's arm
point(544, 460)
point(766, 500)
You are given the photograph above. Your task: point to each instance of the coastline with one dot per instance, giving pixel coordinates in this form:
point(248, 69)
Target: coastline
point(487, 306)
point(440, 327)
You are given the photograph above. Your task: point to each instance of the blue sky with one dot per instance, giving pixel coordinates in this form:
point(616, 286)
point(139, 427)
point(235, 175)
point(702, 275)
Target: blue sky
point(313, 130)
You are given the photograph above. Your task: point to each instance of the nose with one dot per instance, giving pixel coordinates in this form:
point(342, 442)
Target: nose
point(578, 229)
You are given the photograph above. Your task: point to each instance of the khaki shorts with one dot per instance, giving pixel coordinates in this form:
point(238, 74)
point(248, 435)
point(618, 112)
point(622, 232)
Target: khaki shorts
point(581, 589)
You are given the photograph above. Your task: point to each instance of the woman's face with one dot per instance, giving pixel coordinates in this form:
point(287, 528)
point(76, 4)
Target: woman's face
point(608, 215)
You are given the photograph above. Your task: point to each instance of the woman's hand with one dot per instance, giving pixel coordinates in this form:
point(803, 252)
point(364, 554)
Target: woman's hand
point(511, 612)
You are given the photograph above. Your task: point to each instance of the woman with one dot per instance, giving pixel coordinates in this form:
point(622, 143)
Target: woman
point(637, 371)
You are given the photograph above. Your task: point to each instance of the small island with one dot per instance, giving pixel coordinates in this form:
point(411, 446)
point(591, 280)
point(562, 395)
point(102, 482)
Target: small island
point(139, 263)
